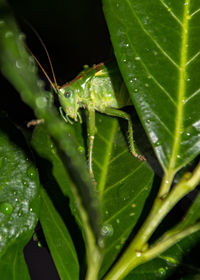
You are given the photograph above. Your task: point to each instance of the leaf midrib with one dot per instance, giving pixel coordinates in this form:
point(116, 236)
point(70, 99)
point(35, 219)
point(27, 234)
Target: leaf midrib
point(108, 151)
point(181, 89)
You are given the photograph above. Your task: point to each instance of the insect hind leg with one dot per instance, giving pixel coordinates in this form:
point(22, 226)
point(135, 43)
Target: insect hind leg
point(92, 129)
point(124, 115)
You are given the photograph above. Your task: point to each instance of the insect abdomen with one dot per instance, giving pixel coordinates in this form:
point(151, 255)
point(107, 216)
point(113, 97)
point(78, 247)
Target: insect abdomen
point(107, 88)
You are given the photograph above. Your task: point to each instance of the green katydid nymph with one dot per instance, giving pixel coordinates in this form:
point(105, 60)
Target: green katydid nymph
point(99, 88)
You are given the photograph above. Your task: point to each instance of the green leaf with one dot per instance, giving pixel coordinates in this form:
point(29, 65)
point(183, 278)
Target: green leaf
point(58, 240)
point(157, 47)
point(124, 183)
point(123, 188)
point(12, 264)
point(18, 67)
point(19, 197)
point(45, 147)
point(179, 259)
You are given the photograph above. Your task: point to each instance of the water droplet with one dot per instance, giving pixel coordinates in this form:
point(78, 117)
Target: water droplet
point(131, 81)
point(132, 214)
point(39, 244)
point(137, 58)
point(106, 212)
point(41, 102)
point(18, 64)
point(157, 144)
point(149, 77)
point(136, 90)
point(127, 45)
point(147, 121)
point(40, 83)
point(146, 85)
point(81, 149)
point(8, 34)
point(188, 79)
point(101, 242)
point(138, 254)
point(188, 134)
point(24, 182)
point(20, 213)
point(124, 60)
point(133, 205)
point(117, 221)
point(161, 271)
point(171, 261)
point(31, 172)
point(107, 230)
point(186, 3)
point(31, 209)
point(178, 156)
point(22, 37)
point(16, 199)
point(6, 208)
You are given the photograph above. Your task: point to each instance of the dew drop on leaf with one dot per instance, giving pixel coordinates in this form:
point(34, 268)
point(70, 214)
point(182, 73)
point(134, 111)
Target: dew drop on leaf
point(81, 149)
point(18, 64)
point(107, 230)
point(6, 208)
point(41, 102)
point(8, 34)
point(30, 172)
point(137, 58)
point(161, 272)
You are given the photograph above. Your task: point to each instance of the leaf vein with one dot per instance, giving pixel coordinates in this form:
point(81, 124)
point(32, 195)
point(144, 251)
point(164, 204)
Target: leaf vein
point(152, 39)
point(123, 179)
point(192, 95)
point(195, 12)
point(126, 206)
point(193, 58)
point(171, 13)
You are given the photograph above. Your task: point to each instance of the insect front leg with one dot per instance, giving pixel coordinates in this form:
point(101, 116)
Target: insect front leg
point(124, 115)
point(91, 133)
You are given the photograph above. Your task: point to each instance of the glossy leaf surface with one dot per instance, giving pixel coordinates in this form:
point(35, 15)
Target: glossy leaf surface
point(19, 198)
point(19, 68)
point(179, 260)
point(157, 47)
point(58, 240)
point(12, 264)
point(124, 183)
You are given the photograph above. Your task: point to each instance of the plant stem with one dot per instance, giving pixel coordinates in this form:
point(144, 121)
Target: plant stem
point(163, 245)
point(134, 255)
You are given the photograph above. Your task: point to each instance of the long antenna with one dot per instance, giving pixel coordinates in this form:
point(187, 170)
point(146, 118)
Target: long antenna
point(48, 56)
point(45, 73)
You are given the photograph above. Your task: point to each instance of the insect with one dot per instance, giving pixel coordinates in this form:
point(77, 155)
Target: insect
point(98, 88)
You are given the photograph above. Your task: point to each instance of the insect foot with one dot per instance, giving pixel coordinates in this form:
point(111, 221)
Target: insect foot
point(141, 157)
point(34, 122)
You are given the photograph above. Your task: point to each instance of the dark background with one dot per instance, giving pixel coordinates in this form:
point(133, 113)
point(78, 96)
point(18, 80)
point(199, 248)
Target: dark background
point(75, 34)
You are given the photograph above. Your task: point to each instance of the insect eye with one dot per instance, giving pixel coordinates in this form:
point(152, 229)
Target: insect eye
point(67, 94)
